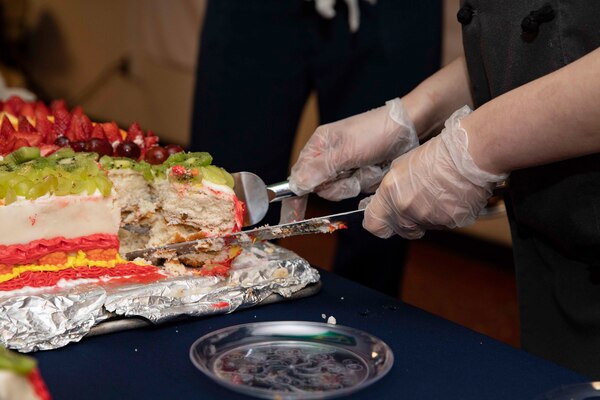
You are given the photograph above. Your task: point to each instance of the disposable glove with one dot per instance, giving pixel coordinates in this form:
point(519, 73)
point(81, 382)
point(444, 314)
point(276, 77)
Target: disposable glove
point(435, 186)
point(363, 143)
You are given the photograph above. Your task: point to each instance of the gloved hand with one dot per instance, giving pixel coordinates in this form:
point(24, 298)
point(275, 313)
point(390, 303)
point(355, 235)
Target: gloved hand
point(436, 185)
point(359, 142)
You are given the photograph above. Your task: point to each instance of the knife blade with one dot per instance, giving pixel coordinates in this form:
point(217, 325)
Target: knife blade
point(326, 224)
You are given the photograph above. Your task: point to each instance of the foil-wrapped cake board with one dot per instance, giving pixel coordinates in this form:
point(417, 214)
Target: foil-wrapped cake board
point(45, 319)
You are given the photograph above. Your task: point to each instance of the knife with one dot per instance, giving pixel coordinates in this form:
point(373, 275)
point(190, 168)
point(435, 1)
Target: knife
point(326, 224)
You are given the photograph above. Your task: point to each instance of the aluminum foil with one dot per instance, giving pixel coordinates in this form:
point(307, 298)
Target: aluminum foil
point(51, 318)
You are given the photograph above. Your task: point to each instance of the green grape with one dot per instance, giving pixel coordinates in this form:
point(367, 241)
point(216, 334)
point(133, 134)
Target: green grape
point(63, 186)
point(213, 174)
point(10, 197)
point(37, 190)
point(3, 189)
point(77, 187)
point(104, 185)
point(229, 181)
point(51, 181)
point(22, 188)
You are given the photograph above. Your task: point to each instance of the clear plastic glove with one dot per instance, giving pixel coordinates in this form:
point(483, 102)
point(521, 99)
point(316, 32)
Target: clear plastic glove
point(359, 143)
point(434, 186)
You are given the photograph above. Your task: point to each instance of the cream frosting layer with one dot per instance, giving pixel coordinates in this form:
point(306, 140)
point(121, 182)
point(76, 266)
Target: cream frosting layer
point(50, 216)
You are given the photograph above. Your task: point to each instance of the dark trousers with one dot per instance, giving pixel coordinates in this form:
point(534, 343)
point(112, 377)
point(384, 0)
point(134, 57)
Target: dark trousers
point(260, 59)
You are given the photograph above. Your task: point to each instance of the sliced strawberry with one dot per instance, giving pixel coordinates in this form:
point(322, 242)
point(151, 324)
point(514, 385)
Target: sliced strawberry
point(15, 103)
point(77, 111)
point(44, 128)
point(112, 131)
point(214, 270)
point(25, 125)
point(7, 136)
point(98, 132)
point(86, 127)
point(38, 384)
point(135, 134)
point(62, 121)
point(27, 110)
point(32, 138)
point(41, 110)
point(150, 140)
point(6, 128)
point(75, 132)
point(18, 143)
point(59, 106)
point(47, 149)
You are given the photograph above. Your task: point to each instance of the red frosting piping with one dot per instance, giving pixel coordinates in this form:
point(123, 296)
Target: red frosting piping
point(32, 251)
point(128, 272)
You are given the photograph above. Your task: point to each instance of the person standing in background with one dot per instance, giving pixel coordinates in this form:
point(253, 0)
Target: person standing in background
point(260, 60)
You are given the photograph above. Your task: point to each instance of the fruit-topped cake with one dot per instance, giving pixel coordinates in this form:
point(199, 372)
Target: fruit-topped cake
point(20, 379)
point(59, 222)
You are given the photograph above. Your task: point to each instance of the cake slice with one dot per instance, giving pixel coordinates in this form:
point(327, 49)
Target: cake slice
point(191, 199)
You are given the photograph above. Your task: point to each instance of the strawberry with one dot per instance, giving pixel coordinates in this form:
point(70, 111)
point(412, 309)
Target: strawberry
point(6, 128)
point(75, 132)
point(62, 121)
point(98, 132)
point(14, 103)
point(25, 125)
point(27, 110)
point(7, 136)
point(77, 111)
point(41, 111)
point(18, 143)
point(44, 128)
point(32, 138)
point(135, 134)
point(150, 140)
point(59, 106)
point(86, 127)
point(112, 131)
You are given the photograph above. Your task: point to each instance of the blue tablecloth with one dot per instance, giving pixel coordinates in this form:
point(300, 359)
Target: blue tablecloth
point(434, 358)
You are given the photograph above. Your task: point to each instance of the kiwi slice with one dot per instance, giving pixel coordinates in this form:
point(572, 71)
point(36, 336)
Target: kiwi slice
point(194, 159)
point(23, 154)
point(65, 152)
point(107, 162)
point(122, 163)
point(213, 174)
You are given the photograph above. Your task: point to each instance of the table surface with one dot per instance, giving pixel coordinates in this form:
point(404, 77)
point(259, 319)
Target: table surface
point(434, 358)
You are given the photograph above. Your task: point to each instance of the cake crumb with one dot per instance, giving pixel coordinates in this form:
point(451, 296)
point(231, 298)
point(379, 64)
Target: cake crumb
point(342, 298)
point(323, 316)
point(331, 320)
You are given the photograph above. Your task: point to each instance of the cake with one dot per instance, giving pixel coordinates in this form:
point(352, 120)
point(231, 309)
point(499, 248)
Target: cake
point(20, 379)
point(61, 222)
point(79, 195)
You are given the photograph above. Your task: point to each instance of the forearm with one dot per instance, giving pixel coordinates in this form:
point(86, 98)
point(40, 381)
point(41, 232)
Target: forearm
point(437, 97)
point(553, 118)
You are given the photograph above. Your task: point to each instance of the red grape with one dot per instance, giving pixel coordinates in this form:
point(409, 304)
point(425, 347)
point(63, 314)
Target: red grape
point(62, 141)
point(173, 148)
point(156, 155)
point(128, 149)
point(100, 146)
point(78, 145)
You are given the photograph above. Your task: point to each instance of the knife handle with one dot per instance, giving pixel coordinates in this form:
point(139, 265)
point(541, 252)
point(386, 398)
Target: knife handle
point(281, 190)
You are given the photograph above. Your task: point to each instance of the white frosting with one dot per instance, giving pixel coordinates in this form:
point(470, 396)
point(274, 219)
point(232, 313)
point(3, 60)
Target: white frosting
point(216, 187)
point(50, 216)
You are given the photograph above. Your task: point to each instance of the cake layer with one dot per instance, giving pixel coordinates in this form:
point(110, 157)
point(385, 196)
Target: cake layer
point(29, 252)
point(49, 217)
